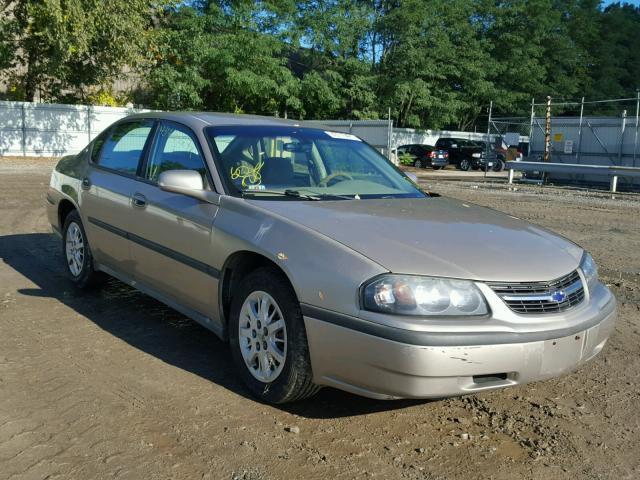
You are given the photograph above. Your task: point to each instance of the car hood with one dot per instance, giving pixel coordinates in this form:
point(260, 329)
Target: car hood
point(437, 236)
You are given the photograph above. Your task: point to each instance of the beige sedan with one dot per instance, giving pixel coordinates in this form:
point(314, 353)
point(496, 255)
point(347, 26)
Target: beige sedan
point(321, 263)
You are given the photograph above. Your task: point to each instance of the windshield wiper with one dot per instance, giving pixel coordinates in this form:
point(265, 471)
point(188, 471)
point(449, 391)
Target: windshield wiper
point(298, 194)
point(322, 195)
point(285, 193)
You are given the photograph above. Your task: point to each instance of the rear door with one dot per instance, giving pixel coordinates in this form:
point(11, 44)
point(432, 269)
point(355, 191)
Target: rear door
point(106, 192)
point(170, 232)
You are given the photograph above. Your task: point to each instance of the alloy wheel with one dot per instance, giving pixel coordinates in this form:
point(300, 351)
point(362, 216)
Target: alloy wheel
point(262, 336)
point(74, 249)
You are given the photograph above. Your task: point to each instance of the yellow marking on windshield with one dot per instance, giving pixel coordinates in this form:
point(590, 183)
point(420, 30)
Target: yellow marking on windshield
point(249, 175)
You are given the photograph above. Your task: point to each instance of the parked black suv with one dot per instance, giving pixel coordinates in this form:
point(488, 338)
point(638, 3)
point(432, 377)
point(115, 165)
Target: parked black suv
point(464, 154)
point(425, 156)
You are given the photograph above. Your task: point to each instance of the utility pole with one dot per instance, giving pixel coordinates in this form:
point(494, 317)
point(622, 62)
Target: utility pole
point(547, 132)
point(579, 149)
point(635, 141)
point(390, 137)
point(488, 138)
point(622, 129)
point(533, 111)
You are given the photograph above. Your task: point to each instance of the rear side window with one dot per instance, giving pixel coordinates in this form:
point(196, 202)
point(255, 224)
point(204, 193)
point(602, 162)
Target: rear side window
point(174, 148)
point(123, 149)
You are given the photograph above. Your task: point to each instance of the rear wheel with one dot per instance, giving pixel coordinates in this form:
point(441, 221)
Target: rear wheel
point(465, 164)
point(77, 253)
point(268, 339)
point(498, 165)
point(418, 163)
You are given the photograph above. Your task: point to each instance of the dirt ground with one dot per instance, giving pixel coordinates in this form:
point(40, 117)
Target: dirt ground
point(112, 384)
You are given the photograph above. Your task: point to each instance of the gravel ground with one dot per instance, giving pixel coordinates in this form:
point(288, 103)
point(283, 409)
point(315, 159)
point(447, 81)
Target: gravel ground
point(113, 384)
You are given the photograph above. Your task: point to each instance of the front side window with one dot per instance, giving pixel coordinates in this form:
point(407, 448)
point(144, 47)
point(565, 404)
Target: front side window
point(123, 149)
point(275, 159)
point(174, 148)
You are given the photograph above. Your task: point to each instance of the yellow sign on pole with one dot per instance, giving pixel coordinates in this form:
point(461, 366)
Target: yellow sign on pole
point(557, 137)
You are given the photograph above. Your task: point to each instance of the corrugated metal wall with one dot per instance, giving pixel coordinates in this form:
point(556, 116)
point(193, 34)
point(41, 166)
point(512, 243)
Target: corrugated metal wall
point(595, 141)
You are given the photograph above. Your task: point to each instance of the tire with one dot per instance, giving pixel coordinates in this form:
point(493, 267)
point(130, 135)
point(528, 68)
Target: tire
point(418, 163)
point(282, 382)
point(465, 164)
point(475, 167)
point(498, 165)
point(77, 254)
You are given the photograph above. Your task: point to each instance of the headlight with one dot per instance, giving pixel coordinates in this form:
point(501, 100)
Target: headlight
point(589, 270)
point(423, 296)
point(476, 155)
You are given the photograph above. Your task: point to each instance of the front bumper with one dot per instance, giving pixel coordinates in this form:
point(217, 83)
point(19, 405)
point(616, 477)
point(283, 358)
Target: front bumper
point(377, 366)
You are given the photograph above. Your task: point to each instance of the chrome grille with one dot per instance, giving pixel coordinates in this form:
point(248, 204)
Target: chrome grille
point(541, 297)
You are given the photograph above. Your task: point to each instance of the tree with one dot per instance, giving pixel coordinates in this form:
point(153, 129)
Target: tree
point(615, 70)
point(216, 57)
point(63, 48)
point(434, 67)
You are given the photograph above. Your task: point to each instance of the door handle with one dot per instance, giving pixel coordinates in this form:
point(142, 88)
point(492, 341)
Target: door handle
point(86, 183)
point(139, 200)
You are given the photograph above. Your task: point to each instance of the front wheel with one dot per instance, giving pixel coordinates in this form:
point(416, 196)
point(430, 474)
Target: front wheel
point(77, 253)
point(498, 165)
point(268, 339)
point(418, 163)
point(465, 164)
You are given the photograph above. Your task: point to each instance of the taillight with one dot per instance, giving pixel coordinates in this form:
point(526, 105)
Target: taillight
point(432, 154)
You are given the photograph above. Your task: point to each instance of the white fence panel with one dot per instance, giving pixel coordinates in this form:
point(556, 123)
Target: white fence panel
point(409, 136)
point(38, 129)
point(374, 132)
point(41, 129)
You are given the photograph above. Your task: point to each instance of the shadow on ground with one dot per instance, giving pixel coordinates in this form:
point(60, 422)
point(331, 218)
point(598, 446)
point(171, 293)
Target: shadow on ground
point(155, 329)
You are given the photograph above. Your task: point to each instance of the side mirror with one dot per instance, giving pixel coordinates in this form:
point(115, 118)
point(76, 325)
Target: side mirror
point(186, 182)
point(412, 176)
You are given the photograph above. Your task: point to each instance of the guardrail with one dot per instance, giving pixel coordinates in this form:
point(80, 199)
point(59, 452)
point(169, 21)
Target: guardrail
point(612, 171)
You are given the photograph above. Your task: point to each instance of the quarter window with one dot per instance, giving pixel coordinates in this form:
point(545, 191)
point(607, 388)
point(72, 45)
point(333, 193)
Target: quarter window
point(174, 148)
point(123, 149)
point(97, 146)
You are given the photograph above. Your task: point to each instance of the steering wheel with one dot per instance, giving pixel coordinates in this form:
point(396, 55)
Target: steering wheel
point(325, 181)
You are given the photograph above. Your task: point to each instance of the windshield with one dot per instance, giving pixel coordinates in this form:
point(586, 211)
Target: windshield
point(301, 163)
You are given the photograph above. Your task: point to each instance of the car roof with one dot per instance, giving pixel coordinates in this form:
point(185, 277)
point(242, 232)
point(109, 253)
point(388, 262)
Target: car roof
point(204, 119)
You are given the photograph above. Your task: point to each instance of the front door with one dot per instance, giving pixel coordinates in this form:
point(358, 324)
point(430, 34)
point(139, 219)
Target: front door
point(106, 192)
point(171, 233)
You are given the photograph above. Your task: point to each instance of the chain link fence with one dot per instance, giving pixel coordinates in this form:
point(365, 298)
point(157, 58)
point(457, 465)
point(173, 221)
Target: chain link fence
point(601, 132)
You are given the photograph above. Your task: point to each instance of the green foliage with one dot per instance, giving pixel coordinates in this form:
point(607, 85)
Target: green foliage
point(66, 48)
point(615, 71)
point(433, 63)
point(406, 159)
